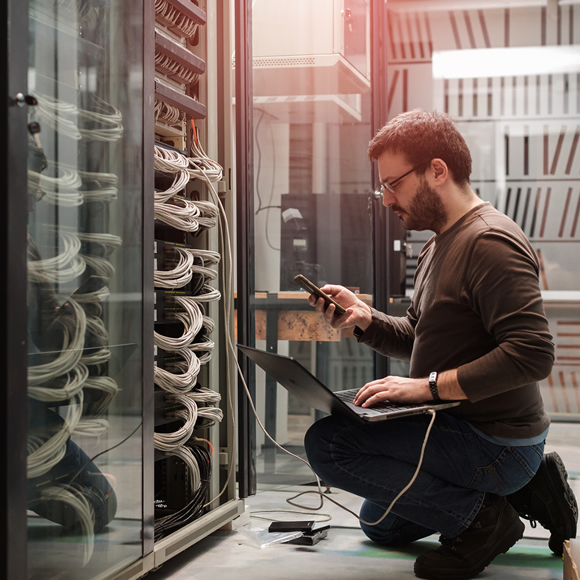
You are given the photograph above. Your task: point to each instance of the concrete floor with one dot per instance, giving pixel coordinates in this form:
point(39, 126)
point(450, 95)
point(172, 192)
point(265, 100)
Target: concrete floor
point(346, 553)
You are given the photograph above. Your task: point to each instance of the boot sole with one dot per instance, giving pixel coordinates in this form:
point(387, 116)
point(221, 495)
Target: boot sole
point(563, 496)
point(514, 533)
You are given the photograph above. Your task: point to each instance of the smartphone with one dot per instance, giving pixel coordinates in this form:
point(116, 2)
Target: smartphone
point(313, 289)
point(300, 526)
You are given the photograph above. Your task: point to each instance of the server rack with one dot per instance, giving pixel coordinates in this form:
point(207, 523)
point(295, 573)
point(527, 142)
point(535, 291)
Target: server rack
point(78, 156)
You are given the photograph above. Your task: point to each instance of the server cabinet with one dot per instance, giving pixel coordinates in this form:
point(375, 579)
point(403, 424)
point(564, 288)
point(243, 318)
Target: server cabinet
point(80, 489)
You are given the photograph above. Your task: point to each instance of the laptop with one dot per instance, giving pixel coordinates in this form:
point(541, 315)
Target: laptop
point(287, 371)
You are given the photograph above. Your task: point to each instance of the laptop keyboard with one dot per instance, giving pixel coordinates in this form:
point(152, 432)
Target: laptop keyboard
point(348, 397)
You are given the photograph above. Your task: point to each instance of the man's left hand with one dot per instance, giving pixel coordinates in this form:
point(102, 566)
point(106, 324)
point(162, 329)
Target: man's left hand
point(395, 389)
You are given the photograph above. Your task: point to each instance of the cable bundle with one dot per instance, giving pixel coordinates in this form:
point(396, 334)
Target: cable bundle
point(179, 276)
point(46, 450)
point(192, 320)
point(212, 415)
point(65, 118)
point(171, 68)
point(109, 388)
point(74, 381)
point(61, 268)
point(204, 395)
point(99, 186)
point(168, 113)
point(201, 166)
point(179, 382)
point(198, 461)
point(62, 190)
point(89, 427)
point(181, 217)
point(74, 327)
point(208, 294)
point(72, 495)
point(176, 439)
point(96, 251)
point(174, 18)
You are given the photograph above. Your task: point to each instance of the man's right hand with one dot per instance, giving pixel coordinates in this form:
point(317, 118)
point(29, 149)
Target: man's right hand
point(357, 312)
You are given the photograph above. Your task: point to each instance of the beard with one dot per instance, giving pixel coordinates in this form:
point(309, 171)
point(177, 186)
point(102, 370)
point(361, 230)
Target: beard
point(425, 211)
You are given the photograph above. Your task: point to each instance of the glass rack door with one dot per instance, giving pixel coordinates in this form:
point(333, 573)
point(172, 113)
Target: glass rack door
point(84, 294)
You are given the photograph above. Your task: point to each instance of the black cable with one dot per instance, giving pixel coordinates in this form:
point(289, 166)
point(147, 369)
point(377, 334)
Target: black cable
point(103, 452)
point(259, 170)
point(269, 207)
point(194, 508)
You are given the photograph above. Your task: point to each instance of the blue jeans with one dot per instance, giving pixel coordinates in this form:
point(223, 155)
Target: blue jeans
point(377, 460)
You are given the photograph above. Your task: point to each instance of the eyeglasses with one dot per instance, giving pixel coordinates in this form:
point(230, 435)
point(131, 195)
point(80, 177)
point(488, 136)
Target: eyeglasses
point(390, 187)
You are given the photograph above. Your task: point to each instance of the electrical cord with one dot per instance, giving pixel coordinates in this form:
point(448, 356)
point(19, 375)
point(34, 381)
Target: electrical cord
point(181, 214)
point(91, 427)
point(175, 18)
point(183, 382)
point(172, 441)
point(195, 507)
point(45, 452)
point(73, 323)
point(226, 242)
point(61, 268)
point(109, 388)
point(73, 496)
point(62, 190)
point(179, 276)
point(106, 242)
point(192, 321)
point(74, 382)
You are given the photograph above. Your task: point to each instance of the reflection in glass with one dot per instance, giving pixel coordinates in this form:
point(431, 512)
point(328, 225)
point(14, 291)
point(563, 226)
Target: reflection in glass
point(84, 289)
point(311, 87)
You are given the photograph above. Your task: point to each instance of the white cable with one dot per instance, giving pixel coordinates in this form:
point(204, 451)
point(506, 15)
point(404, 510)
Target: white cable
point(212, 414)
point(204, 395)
point(62, 267)
point(95, 297)
point(184, 381)
point(74, 498)
point(103, 186)
point(62, 190)
point(188, 457)
point(208, 294)
point(90, 427)
point(97, 357)
point(181, 214)
point(45, 452)
point(107, 242)
point(100, 266)
point(180, 275)
point(192, 320)
point(170, 441)
point(108, 386)
point(74, 327)
point(75, 380)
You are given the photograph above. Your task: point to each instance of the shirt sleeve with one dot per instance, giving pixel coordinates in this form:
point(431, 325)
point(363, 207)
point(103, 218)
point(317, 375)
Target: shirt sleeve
point(501, 285)
point(391, 335)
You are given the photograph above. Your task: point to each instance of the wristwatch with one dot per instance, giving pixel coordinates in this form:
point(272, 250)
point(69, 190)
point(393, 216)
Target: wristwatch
point(433, 386)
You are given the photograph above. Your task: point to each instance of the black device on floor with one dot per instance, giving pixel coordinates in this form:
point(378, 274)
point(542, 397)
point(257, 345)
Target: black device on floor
point(298, 526)
point(311, 538)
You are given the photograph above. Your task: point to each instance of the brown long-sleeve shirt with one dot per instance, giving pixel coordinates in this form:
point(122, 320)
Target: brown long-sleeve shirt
point(477, 307)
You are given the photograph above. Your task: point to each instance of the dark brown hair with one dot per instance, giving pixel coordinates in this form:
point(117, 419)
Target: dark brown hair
point(421, 136)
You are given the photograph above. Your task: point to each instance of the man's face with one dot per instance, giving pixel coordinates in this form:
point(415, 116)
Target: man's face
point(418, 205)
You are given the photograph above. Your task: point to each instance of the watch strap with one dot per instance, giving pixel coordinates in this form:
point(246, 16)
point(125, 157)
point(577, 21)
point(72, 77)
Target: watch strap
point(433, 386)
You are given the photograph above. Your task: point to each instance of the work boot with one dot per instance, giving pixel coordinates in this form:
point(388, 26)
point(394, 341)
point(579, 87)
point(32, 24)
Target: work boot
point(548, 499)
point(494, 530)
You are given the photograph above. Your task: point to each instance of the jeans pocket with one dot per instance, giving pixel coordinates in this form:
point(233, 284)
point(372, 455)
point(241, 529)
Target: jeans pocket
point(489, 478)
point(510, 471)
